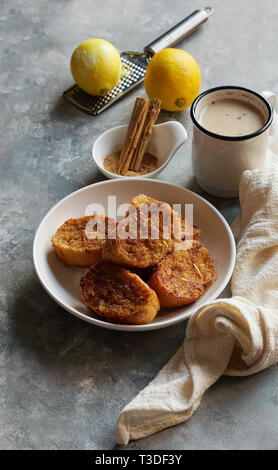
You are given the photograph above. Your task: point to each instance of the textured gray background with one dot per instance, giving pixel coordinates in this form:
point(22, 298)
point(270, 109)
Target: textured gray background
point(63, 382)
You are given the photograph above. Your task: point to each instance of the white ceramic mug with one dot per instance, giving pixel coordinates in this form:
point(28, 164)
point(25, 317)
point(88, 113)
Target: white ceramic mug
point(218, 161)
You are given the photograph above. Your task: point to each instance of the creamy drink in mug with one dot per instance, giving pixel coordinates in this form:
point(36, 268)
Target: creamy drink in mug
point(230, 135)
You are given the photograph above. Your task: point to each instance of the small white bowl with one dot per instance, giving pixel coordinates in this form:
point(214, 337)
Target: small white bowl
point(166, 139)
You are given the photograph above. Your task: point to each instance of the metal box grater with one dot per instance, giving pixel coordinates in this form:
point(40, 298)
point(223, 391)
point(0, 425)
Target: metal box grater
point(134, 67)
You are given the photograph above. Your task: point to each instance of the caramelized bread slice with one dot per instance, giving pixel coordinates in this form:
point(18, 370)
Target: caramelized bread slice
point(136, 253)
point(141, 199)
point(203, 261)
point(78, 243)
point(175, 280)
point(144, 237)
point(180, 277)
point(118, 296)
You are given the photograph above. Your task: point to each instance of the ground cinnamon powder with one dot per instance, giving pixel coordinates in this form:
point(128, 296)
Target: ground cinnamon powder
point(149, 164)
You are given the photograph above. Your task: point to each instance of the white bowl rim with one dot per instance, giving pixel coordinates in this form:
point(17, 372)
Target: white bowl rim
point(149, 326)
point(148, 175)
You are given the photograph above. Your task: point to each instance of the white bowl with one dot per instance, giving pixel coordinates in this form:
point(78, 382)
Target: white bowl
point(166, 139)
point(62, 282)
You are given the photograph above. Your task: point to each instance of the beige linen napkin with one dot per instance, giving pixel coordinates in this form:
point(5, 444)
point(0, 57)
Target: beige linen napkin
point(236, 336)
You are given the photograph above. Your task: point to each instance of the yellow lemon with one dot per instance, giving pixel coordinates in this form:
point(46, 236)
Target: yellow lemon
point(96, 66)
point(174, 77)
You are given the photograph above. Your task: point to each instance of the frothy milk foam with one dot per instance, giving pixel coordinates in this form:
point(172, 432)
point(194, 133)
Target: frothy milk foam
point(231, 117)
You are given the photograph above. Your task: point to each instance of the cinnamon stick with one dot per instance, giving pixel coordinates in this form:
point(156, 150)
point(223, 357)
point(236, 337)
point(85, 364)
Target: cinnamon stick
point(153, 112)
point(133, 134)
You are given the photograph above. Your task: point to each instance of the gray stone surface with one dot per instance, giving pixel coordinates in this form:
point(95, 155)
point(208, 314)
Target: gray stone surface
point(63, 382)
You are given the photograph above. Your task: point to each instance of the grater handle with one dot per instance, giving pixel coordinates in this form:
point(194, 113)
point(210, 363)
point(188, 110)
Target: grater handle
point(179, 31)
